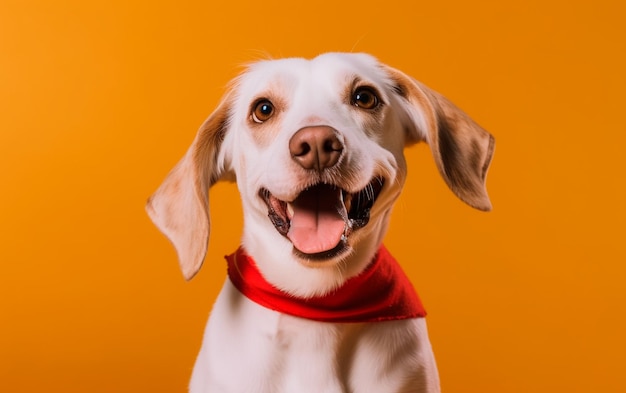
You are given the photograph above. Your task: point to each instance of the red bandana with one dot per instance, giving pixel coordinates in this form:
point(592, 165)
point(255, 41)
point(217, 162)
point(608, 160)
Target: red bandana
point(380, 293)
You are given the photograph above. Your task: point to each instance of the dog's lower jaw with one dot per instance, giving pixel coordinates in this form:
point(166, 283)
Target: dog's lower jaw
point(305, 278)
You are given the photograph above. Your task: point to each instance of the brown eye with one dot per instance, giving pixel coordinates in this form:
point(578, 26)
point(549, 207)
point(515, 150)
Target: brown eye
point(263, 110)
point(365, 98)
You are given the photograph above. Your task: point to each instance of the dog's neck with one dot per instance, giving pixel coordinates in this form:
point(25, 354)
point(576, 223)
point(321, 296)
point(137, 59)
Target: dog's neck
point(382, 292)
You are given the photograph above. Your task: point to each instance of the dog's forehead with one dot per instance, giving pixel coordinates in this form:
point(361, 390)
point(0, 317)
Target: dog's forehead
point(332, 68)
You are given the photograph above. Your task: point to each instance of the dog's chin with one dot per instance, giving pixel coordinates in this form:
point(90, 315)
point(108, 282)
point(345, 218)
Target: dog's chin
point(320, 220)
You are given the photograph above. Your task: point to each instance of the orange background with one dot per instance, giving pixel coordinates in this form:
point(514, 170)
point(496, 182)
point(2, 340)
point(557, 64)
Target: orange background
point(100, 99)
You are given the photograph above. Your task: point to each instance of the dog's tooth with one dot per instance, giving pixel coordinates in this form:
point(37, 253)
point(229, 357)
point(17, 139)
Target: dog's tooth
point(289, 211)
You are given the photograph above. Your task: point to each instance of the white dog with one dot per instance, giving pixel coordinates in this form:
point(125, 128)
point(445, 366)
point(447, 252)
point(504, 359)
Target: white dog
point(314, 302)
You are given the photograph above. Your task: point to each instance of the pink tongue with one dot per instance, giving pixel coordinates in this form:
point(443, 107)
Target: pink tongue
point(317, 223)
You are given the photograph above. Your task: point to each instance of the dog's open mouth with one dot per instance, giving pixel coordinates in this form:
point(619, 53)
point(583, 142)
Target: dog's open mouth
point(322, 216)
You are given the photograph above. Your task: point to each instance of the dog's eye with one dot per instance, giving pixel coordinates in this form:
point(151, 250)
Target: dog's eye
point(262, 111)
point(365, 97)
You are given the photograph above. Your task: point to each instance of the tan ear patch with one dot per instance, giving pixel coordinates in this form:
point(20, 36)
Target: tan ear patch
point(464, 155)
point(180, 206)
point(462, 150)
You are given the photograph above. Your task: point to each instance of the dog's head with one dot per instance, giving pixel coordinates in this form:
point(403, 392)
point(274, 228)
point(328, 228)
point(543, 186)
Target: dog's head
point(316, 147)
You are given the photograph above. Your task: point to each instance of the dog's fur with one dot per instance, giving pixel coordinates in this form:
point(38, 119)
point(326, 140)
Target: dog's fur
point(249, 348)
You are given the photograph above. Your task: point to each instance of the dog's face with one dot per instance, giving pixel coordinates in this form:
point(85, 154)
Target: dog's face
point(316, 147)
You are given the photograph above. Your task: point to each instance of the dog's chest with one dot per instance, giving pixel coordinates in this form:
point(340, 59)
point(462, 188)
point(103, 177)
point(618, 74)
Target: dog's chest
point(251, 348)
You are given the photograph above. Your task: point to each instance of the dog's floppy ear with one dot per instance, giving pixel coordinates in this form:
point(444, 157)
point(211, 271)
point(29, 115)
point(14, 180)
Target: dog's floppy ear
point(461, 148)
point(180, 206)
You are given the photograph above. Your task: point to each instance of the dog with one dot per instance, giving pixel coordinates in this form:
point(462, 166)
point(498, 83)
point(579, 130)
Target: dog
point(314, 302)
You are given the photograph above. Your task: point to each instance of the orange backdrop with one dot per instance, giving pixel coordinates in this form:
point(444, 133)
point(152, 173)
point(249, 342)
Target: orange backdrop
point(100, 99)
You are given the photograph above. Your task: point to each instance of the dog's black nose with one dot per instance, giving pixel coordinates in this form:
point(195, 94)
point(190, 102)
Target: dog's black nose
point(316, 147)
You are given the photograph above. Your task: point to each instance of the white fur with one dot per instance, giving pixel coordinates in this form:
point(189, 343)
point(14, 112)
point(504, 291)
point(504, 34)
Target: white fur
point(248, 348)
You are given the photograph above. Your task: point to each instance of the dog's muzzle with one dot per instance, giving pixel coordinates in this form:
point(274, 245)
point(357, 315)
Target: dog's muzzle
point(322, 217)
